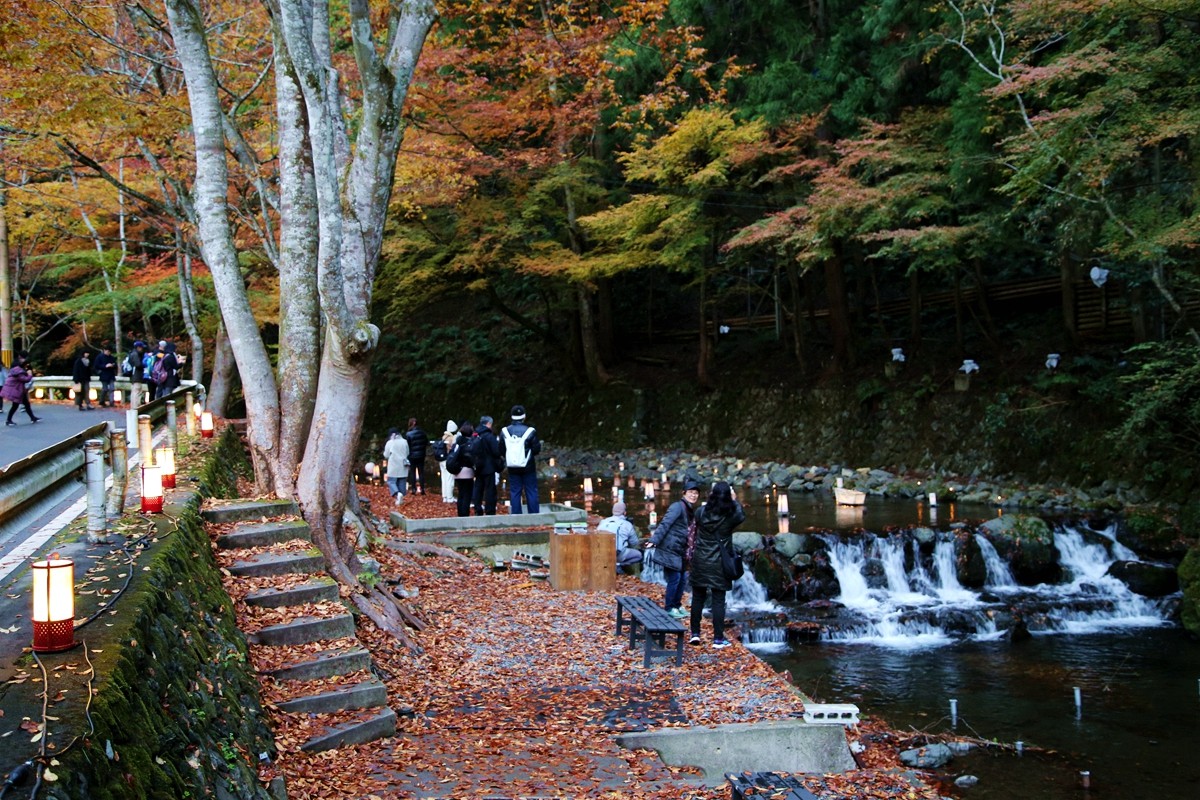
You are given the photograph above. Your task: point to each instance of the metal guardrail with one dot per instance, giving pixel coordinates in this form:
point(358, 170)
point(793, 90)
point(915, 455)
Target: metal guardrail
point(39, 474)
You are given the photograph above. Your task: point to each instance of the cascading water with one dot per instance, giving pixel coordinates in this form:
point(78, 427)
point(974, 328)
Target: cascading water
point(999, 576)
point(911, 609)
point(747, 595)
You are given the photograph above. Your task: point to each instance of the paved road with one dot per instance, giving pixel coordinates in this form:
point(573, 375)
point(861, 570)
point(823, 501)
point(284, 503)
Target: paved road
point(39, 525)
point(58, 421)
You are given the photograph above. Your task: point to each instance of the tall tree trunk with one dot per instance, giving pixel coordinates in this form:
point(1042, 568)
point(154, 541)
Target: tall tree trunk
point(704, 349)
point(189, 305)
point(798, 316)
point(1066, 273)
point(839, 313)
point(914, 311)
point(299, 312)
point(216, 237)
point(224, 373)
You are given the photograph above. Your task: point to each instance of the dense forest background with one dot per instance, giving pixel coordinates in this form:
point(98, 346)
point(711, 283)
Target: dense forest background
point(705, 224)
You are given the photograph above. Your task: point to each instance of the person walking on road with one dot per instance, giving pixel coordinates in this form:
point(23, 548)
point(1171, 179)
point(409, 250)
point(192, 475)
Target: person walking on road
point(16, 388)
point(82, 375)
point(106, 371)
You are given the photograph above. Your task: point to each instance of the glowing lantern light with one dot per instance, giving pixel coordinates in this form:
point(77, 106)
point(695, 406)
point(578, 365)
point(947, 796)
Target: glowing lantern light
point(206, 425)
point(53, 604)
point(152, 490)
point(164, 458)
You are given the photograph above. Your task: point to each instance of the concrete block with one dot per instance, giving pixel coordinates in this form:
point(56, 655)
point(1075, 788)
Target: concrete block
point(369, 728)
point(325, 665)
point(264, 534)
point(242, 510)
point(311, 592)
point(831, 713)
point(264, 565)
point(369, 694)
point(781, 746)
point(305, 630)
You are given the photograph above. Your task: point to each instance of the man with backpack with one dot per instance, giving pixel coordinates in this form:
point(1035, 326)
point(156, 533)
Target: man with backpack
point(521, 444)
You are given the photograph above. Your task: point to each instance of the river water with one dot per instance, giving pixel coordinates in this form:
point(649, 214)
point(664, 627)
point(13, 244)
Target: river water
point(1135, 730)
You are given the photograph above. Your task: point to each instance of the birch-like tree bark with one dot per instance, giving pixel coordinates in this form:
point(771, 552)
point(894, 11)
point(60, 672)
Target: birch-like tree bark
point(337, 160)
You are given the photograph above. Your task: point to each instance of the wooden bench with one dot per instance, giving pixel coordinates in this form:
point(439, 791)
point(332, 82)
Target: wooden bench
point(650, 624)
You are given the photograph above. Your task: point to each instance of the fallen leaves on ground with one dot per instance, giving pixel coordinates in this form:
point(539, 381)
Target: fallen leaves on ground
point(521, 691)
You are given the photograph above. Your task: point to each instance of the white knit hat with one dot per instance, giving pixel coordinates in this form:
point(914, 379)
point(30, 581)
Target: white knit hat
point(451, 426)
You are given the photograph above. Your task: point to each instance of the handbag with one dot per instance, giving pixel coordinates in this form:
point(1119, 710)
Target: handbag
point(78, 387)
point(731, 562)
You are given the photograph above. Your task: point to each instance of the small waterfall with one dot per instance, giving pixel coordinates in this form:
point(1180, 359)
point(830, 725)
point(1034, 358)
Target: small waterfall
point(749, 595)
point(999, 576)
point(948, 587)
point(891, 554)
point(847, 561)
point(769, 639)
point(920, 578)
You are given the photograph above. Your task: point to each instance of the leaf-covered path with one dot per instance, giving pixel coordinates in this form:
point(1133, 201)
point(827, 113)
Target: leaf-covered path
point(521, 691)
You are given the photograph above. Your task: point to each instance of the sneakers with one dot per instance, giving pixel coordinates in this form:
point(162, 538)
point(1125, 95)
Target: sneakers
point(719, 643)
point(678, 613)
point(10, 423)
point(695, 640)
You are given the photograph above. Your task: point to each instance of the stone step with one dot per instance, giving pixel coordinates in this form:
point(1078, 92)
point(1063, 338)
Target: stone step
point(264, 534)
point(304, 630)
point(242, 510)
point(370, 693)
point(312, 592)
point(369, 727)
point(324, 665)
point(267, 564)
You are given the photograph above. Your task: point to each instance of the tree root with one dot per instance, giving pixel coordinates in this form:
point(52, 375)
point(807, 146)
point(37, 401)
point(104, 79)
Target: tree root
point(424, 549)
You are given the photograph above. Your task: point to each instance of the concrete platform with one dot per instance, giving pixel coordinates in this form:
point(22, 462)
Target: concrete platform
point(550, 514)
point(783, 746)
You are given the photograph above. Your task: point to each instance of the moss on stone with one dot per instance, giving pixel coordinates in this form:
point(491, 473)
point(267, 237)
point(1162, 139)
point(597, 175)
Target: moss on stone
point(1189, 582)
point(173, 689)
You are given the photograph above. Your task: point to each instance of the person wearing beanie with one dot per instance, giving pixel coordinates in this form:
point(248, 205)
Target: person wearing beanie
point(670, 543)
point(449, 437)
point(629, 546)
point(395, 453)
point(521, 446)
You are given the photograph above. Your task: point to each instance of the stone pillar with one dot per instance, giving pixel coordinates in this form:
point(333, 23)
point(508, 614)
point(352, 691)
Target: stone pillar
point(190, 413)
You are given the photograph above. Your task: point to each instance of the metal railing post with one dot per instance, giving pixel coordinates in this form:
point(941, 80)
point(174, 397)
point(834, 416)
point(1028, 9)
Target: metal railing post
point(93, 460)
point(131, 415)
point(172, 434)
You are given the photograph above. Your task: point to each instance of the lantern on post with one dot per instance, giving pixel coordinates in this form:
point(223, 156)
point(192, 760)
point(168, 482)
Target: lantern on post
point(206, 425)
point(152, 489)
point(164, 459)
point(53, 604)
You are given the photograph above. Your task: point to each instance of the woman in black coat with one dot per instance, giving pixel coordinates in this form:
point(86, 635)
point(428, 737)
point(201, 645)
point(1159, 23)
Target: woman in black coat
point(715, 523)
point(670, 546)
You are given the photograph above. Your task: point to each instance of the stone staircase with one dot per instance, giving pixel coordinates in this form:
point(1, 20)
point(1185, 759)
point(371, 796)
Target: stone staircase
point(364, 701)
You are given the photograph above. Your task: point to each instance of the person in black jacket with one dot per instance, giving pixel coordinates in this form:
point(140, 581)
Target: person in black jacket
point(670, 541)
point(106, 370)
point(715, 522)
point(485, 452)
point(418, 446)
point(82, 375)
